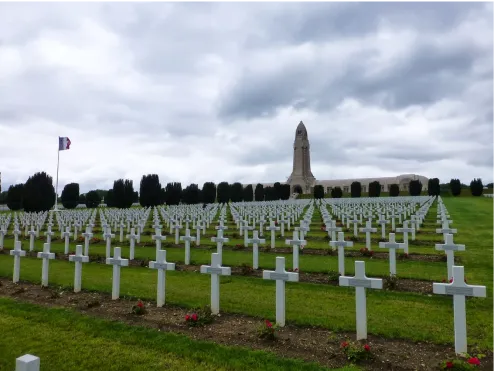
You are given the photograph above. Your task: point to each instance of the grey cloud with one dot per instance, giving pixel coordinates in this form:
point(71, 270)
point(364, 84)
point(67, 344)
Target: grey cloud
point(315, 22)
point(429, 75)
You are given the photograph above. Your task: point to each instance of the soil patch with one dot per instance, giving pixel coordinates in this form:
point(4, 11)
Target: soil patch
point(307, 343)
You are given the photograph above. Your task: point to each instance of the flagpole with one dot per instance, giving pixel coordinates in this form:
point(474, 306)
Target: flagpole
point(56, 187)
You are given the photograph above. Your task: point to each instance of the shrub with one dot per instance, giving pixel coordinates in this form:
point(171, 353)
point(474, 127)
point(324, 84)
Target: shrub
point(356, 189)
point(318, 191)
point(70, 196)
point(374, 189)
point(415, 188)
point(476, 187)
point(355, 351)
point(364, 251)
point(267, 331)
point(200, 318)
point(463, 362)
point(390, 282)
point(455, 187)
point(139, 308)
point(394, 190)
point(333, 276)
point(336, 192)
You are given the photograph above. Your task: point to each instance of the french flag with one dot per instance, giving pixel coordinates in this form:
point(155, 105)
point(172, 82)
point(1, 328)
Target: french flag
point(63, 143)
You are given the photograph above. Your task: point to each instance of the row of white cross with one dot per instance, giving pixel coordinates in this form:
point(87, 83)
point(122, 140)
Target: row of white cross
point(458, 288)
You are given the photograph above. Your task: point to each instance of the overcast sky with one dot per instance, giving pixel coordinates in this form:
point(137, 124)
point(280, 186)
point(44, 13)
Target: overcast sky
point(213, 92)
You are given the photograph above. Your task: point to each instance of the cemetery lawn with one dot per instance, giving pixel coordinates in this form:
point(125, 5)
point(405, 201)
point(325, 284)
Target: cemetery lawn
point(67, 340)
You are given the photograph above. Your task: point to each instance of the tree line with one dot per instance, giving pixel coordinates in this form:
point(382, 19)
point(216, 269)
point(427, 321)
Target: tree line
point(434, 188)
point(38, 193)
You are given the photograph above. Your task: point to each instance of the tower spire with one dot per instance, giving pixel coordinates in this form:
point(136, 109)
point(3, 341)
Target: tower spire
point(301, 173)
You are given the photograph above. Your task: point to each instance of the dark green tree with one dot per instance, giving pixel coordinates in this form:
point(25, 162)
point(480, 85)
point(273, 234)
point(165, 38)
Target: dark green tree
point(476, 187)
point(14, 196)
point(356, 189)
point(223, 192)
point(269, 194)
point(433, 187)
point(489, 185)
point(150, 190)
point(173, 193)
point(394, 190)
point(259, 192)
point(455, 187)
point(39, 193)
point(209, 193)
point(123, 193)
point(415, 187)
point(374, 189)
point(93, 199)
point(236, 192)
point(82, 199)
point(277, 190)
point(248, 193)
point(285, 191)
point(70, 196)
point(336, 192)
point(109, 199)
point(318, 191)
point(191, 194)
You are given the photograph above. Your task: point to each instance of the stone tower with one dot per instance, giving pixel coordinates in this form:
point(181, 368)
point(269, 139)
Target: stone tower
point(301, 173)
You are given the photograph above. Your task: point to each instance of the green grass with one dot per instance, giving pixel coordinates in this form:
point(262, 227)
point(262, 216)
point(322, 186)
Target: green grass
point(66, 340)
point(390, 314)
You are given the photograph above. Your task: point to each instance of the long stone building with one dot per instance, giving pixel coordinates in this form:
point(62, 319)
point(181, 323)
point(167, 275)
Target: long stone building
point(303, 181)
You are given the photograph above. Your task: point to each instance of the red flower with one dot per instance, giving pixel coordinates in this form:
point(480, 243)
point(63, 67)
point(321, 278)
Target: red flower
point(187, 317)
point(474, 361)
point(444, 281)
point(367, 347)
point(450, 280)
point(268, 324)
point(449, 365)
point(140, 304)
point(295, 270)
point(194, 317)
point(344, 344)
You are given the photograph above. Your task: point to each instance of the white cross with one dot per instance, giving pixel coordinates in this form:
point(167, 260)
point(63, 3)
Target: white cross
point(46, 255)
point(368, 230)
point(383, 223)
point(392, 245)
point(360, 281)
point(355, 222)
point(117, 262)
point(198, 233)
point(405, 230)
point(215, 270)
point(255, 240)
point(333, 229)
point(296, 243)
point(17, 252)
point(108, 236)
point(273, 230)
point(280, 276)
point(48, 234)
point(177, 228)
point(221, 226)
point(87, 235)
point(3, 232)
point(446, 230)
point(132, 237)
point(158, 238)
point(122, 226)
point(341, 244)
point(162, 266)
point(303, 228)
point(17, 232)
point(31, 233)
point(66, 235)
point(459, 289)
point(450, 247)
point(27, 362)
point(78, 259)
point(220, 240)
point(246, 228)
point(187, 238)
